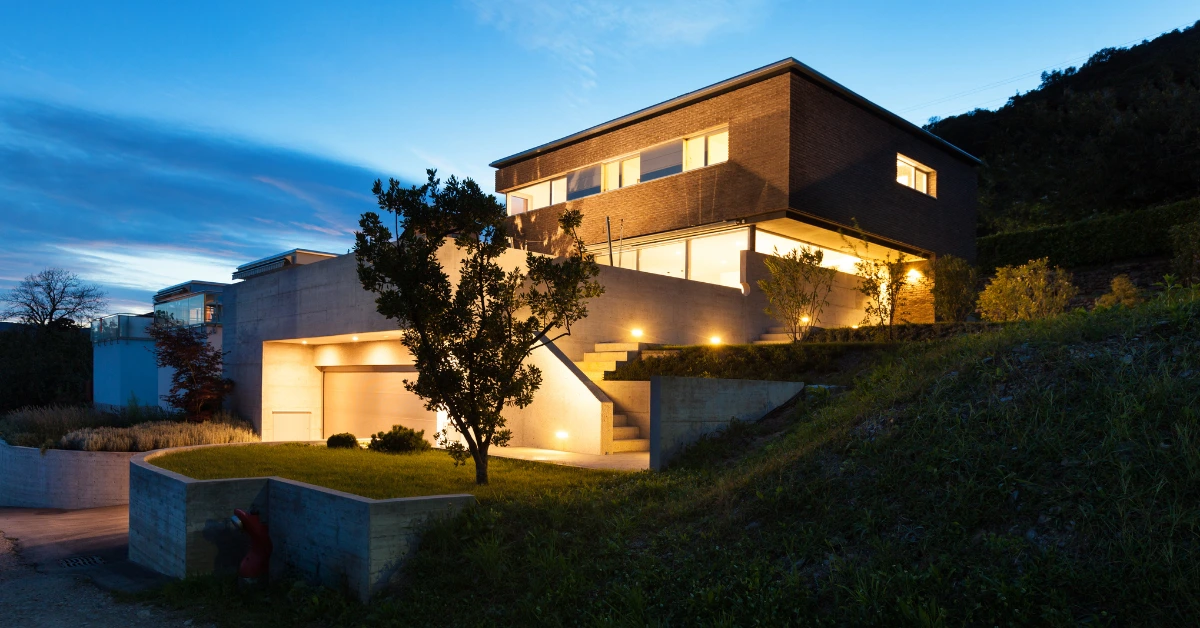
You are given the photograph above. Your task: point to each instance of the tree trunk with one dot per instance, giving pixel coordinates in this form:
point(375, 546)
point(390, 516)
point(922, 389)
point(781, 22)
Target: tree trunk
point(481, 465)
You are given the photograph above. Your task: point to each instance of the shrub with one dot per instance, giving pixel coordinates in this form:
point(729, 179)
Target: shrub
point(399, 440)
point(44, 366)
point(345, 440)
point(798, 289)
point(157, 435)
point(1185, 243)
point(953, 288)
point(1090, 241)
point(1124, 292)
point(198, 383)
point(1027, 292)
point(781, 362)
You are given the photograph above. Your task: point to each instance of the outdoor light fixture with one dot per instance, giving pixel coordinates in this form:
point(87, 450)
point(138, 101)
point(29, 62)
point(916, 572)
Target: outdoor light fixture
point(803, 319)
point(716, 340)
point(914, 275)
point(560, 434)
point(303, 342)
point(637, 333)
point(355, 339)
point(854, 327)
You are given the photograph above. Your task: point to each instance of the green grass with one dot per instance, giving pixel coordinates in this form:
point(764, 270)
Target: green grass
point(379, 475)
point(1046, 473)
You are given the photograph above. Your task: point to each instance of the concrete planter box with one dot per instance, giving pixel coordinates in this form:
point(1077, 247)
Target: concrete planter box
point(180, 527)
point(59, 478)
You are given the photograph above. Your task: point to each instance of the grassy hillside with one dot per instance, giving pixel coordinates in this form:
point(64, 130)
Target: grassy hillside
point(1116, 134)
point(1044, 473)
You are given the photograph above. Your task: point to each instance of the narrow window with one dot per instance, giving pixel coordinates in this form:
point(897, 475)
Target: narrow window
point(913, 174)
point(631, 171)
point(662, 161)
point(612, 175)
point(558, 191)
point(517, 204)
point(718, 147)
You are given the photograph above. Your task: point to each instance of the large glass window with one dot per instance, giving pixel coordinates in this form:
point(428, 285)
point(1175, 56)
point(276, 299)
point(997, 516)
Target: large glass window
point(583, 183)
point(912, 174)
point(718, 258)
point(664, 259)
point(622, 173)
point(537, 196)
point(662, 161)
point(192, 310)
point(773, 244)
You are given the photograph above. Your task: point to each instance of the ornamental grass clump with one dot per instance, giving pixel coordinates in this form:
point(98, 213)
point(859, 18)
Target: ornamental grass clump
point(158, 435)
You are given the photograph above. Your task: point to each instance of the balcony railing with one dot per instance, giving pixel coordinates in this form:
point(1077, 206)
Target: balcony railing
point(120, 327)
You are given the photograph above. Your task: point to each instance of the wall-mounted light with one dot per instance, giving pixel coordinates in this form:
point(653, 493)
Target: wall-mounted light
point(914, 275)
point(803, 319)
point(560, 434)
point(635, 332)
point(716, 340)
point(303, 342)
point(854, 327)
point(355, 339)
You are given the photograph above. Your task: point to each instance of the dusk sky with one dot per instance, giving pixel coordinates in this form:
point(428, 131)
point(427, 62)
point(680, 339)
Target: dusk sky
point(143, 144)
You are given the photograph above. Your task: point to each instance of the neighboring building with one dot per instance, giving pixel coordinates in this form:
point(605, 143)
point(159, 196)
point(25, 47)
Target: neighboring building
point(123, 369)
point(690, 196)
point(192, 304)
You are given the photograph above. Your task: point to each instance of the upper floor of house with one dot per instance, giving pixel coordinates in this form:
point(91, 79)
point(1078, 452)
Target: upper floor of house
point(780, 141)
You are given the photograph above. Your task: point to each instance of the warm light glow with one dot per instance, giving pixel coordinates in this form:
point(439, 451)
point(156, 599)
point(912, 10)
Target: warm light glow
point(303, 342)
point(637, 333)
point(914, 275)
point(716, 340)
point(355, 339)
point(803, 319)
point(854, 327)
point(560, 434)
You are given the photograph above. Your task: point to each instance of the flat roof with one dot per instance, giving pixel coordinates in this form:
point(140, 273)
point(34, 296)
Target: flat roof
point(767, 71)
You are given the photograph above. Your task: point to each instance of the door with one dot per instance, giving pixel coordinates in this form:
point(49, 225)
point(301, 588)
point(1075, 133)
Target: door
point(365, 402)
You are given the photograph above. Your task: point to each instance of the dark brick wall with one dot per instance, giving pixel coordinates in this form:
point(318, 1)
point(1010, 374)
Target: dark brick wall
point(754, 180)
point(844, 169)
point(791, 144)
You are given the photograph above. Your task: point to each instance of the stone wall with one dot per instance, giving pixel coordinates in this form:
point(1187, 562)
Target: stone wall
point(684, 409)
point(180, 527)
point(57, 478)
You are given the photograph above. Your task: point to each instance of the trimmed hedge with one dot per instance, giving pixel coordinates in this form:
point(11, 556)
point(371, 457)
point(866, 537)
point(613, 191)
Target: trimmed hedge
point(1185, 241)
point(782, 362)
point(1098, 240)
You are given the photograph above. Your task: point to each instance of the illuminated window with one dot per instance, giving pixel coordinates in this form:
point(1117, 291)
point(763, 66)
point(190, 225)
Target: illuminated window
point(718, 258)
point(664, 259)
point(915, 175)
point(706, 150)
point(769, 243)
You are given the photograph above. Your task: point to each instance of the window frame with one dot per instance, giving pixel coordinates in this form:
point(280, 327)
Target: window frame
point(917, 168)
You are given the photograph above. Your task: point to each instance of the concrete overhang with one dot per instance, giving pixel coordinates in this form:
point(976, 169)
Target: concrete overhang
point(832, 235)
point(789, 65)
point(367, 336)
point(294, 257)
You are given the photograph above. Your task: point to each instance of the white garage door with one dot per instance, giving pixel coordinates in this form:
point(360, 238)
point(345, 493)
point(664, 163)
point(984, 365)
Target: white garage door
point(365, 402)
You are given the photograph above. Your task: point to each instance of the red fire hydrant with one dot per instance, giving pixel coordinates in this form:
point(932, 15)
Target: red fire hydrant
point(255, 565)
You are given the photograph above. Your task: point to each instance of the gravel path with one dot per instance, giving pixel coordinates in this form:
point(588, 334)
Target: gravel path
point(31, 598)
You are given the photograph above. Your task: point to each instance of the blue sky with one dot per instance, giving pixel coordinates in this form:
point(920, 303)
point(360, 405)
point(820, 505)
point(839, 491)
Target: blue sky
point(147, 143)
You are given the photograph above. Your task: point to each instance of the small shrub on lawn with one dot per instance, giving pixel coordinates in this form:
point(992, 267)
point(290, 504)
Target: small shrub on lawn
point(1027, 292)
point(157, 435)
point(1123, 292)
point(400, 440)
point(345, 440)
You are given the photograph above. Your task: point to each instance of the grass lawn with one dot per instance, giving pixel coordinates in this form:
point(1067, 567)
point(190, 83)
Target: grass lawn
point(378, 475)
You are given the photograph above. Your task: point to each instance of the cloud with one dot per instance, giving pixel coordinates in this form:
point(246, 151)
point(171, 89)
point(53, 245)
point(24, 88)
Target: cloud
point(136, 205)
point(579, 32)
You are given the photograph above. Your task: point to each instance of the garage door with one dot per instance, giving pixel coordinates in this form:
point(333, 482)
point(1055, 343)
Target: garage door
point(364, 403)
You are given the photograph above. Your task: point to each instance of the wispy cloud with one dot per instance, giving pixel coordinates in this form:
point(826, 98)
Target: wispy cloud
point(137, 206)
point(580, 32)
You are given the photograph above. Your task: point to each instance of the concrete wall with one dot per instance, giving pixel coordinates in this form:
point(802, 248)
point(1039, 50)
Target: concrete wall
point(121, 368)
point(567, 402)
point(631, 399)
point(180, 527)
point(56, 478)
point(683, 409)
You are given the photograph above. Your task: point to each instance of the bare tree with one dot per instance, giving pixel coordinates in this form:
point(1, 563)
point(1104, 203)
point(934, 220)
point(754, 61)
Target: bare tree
point(53, 295)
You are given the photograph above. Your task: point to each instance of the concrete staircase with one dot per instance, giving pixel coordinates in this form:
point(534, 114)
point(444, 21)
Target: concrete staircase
point(774, 336)
point(605, 359)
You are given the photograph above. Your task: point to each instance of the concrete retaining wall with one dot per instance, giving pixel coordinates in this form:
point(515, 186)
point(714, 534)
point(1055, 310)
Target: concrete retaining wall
point(683, 409)
point(58, 478)
point(180, 527)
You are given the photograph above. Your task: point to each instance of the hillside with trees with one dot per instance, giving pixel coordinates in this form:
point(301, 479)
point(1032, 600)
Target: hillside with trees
point(1117, 134)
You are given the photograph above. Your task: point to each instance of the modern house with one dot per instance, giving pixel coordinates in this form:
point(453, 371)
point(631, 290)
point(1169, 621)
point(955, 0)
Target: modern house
point(681, 203)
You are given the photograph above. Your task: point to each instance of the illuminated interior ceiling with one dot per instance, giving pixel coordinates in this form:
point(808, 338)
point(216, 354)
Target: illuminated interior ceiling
point(792, 225)
point(368, 336)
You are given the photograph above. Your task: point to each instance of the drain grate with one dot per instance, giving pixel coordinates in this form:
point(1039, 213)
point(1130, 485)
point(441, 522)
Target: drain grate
point(81, 561)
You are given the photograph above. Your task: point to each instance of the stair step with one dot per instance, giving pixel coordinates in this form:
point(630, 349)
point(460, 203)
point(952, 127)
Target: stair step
point(620, 420)
point(772, 342)
point(777, 330)
point(620, 346)
point(631, 444)
point(595, 376)
point(786, 337)
point(604, 356)
point(628, 432)
point(597, 365)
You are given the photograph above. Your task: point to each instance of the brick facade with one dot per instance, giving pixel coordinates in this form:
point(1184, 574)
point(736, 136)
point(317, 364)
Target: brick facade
point(793, 143)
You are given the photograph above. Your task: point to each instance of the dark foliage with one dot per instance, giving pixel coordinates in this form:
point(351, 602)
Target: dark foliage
point(1097, 240)
point(345, 440)
point(41, 366)
point(954, 288)
point(1185, 243)
point(198, 382)
point(782, 362)
point(398, 440)
point(1119, 133)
